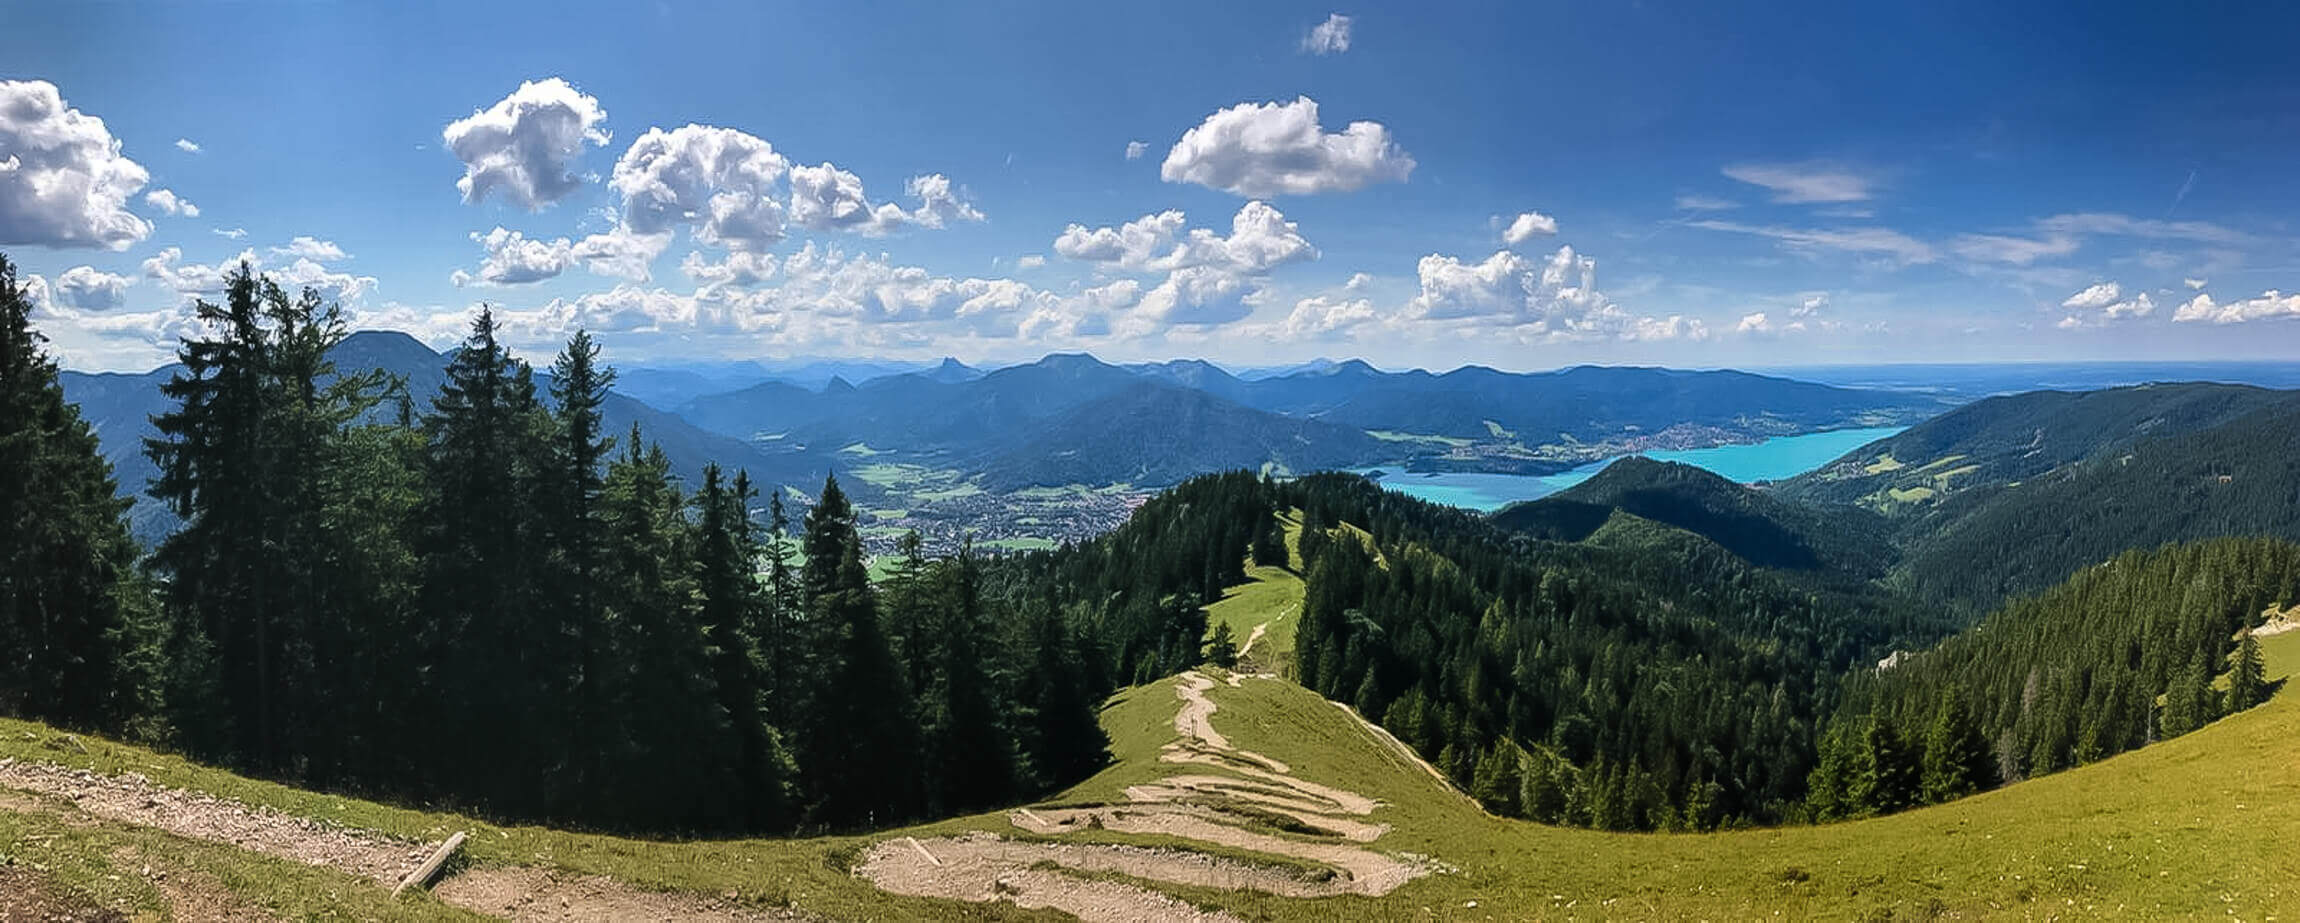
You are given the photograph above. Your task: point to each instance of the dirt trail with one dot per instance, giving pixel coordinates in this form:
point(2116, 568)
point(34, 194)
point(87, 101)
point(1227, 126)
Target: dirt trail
point(532, 894)
point(133, 799)
point(515, 893)
point(1205, 806)
point(1252, 638)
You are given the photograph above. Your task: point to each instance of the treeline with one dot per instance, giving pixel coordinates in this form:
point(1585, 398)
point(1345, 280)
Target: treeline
point(2122, 655)
point(492, 604)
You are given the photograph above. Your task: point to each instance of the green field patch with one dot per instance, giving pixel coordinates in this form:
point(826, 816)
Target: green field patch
point(1942, 478)
point(861, 450)
point(1496, 431)
point(1019, 543)
point(1395, 436)
point(1883, 464)
point(1939, 463)
point(1910, 494)
point(953, 492)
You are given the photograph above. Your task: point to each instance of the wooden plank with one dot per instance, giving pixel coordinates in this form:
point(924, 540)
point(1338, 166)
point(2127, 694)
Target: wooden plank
point(921, 847)
point(422, 874)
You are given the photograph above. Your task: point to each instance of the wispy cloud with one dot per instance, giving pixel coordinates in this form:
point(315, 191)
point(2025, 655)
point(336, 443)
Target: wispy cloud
point(1894, 245)
point(1702, 203)
point(1804, 183)
point(2111, 224)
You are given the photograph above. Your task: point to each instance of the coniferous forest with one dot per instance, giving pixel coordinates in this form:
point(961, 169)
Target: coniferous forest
point(480, 598)
point(493, 604)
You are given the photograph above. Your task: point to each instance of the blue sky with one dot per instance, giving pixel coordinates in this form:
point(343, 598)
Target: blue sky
point(1525, 185)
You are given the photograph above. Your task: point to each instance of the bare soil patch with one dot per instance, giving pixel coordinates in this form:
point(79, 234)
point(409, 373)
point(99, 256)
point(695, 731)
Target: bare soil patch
point(533, 894)
point(27, 896)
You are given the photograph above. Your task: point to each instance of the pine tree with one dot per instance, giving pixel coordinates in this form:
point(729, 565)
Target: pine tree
point(1055, 703)
point(726, 575)
point(486, 562)
point(778, 632)
point(962, 711)
point(74, 619)
point(2247, 681)
point(674, 765)
point(1956, 757)
point(1222, 651)
point(244, 460)
point(859, 730)
point(570, 523)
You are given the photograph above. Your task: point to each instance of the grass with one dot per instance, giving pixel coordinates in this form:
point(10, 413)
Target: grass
point(1395, 436)
point(2195, 826)
point(1883, 464)
point(1271, 595)
point(1019, 543)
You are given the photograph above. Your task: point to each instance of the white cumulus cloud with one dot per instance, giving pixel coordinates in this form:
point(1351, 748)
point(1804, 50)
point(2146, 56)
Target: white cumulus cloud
point(169, 203)
point(527, 143)
point(1329, 37)
point(186, 145)
point(1271, 149)
point(2269, 305)
point(89, 288)
point(1135, 149)
point(312, 248)
point(63, 180)
point(1527, 226)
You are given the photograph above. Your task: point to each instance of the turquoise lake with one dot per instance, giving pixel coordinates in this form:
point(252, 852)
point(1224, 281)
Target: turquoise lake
point(1771, 460)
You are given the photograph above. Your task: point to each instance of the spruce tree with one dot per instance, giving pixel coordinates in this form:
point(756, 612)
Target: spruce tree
point(1956, 757)
point(74, 619)
point(2247, 680)
point(962, 710)
point(486, 564)
point(860, 732)
point(726, 564)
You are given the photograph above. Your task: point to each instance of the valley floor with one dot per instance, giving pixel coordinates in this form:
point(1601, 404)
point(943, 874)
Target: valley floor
point(1230, 797)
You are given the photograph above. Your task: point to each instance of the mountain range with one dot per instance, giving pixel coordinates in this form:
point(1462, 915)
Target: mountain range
point(1073, 419)
point(121, 406)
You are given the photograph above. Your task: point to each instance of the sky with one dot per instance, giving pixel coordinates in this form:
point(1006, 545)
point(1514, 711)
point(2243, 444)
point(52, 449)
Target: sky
point(1522, 185)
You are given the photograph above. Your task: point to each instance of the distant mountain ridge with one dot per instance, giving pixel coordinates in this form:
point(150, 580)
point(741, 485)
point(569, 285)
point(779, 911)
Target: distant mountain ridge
point(948, 418)
point(120, 407)
point(1979, 499)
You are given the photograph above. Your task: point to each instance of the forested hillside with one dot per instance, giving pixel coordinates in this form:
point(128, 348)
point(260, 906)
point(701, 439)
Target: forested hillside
point(1757, 527)
point(2124, 654)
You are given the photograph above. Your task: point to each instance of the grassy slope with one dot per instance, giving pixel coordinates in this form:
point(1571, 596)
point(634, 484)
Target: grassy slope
point(2197, 825)
point(1271, 595)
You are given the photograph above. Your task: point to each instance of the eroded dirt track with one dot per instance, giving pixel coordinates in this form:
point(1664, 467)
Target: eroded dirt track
point(1219, 795)
point(513, 893)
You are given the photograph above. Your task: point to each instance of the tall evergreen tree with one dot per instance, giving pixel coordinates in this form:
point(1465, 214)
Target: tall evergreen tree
point(962, 711)
point(726, 576)
point(244, 460)
point(2247, 680)
point(1957, 761)
point(571, 523)
point(74, 620)
point(486, 559)
point(859, 729)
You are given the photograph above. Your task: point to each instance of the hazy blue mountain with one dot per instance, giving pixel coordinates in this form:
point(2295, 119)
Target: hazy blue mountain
point(1155, 434)
point(120, 407)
